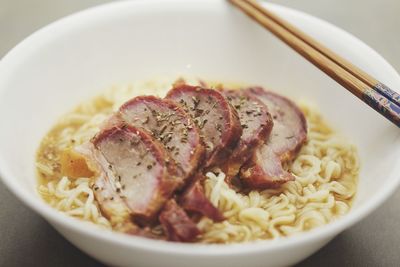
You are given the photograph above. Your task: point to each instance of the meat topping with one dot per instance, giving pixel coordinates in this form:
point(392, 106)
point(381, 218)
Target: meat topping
point(143, 187)
point(171, 125)
point(265, 168)
point(256, 123)
point(217, 120)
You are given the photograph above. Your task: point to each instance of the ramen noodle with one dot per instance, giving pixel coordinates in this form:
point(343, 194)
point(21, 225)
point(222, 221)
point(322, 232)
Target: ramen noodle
point(326, 171)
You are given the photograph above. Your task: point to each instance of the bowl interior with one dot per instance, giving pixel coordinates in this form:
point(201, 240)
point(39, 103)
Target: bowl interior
point(55, 69)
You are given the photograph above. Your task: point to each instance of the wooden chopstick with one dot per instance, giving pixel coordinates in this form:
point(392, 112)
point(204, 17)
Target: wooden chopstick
point(374, 93)
point(348, 66)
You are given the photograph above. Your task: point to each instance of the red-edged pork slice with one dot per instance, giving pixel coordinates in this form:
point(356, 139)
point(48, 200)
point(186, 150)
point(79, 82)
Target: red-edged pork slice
point(256, 123)
point(112, 205)
point(217, 120)
point(169, 124)
point(135, 170)
point(194, 199)
point(176, 223)
point(264, 169)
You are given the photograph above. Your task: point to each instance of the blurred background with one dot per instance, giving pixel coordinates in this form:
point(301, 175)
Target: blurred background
point(27, 240)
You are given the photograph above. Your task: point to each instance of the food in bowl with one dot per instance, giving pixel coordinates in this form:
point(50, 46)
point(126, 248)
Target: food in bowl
point(197, 163)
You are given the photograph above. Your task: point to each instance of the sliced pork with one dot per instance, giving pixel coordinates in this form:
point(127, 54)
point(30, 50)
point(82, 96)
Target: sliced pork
point(150, 156)
point(194, 199)
point(175, 129)
point(171, 125)
point(112, 205)
point(176, 223)
point(256, 123)
point(135, 170)
point(217, 120)
point(265, 168)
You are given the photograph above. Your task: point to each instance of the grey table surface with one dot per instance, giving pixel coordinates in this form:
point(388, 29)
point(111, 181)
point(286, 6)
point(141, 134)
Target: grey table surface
point(27, 240)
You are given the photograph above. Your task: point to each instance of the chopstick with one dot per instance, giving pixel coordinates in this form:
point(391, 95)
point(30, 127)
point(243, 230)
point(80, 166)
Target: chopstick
point(374, 93)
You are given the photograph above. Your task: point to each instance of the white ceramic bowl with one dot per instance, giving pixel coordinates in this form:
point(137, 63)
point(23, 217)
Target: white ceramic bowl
point(67, 61)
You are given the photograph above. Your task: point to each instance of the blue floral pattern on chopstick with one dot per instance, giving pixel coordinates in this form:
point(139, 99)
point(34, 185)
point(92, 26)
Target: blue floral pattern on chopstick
point(385, 101)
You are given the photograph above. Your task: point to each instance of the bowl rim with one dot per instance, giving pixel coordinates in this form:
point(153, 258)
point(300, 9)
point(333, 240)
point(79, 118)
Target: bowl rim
point(34, 202)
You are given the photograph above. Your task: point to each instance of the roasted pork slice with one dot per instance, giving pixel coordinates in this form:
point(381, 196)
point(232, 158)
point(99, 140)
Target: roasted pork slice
point(217, 120)
point(256, 123)
point(169, 124)
point(195, 200)
point(176, 223)
point(135, 170)
point(289, 133)
point(112, 205)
